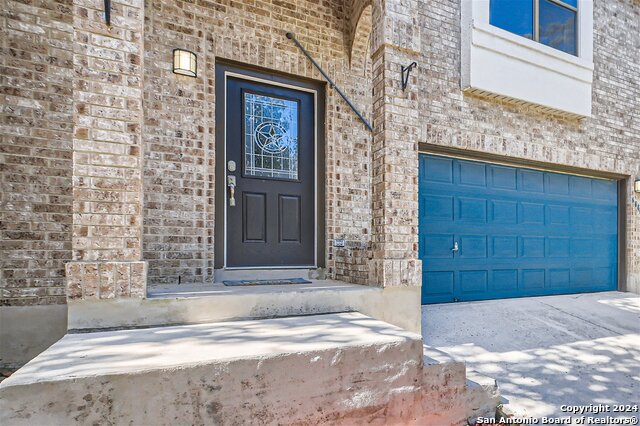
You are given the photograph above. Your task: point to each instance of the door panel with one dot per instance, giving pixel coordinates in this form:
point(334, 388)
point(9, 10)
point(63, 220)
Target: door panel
point(290, 224)
point(270, 136)
point(518, 232)
point(254, 208)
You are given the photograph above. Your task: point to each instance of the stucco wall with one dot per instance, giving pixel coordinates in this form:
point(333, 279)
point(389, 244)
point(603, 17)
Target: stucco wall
point(25, 331)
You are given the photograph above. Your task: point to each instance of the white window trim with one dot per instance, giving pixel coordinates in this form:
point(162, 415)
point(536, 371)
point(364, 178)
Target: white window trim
point(493, 60)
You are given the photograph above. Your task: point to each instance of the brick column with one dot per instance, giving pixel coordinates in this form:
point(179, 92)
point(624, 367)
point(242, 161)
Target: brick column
point(396, 42)
point(107, 157)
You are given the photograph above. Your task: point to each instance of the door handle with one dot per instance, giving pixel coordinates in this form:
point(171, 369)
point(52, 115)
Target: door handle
point(455, 247)
point(231, 184)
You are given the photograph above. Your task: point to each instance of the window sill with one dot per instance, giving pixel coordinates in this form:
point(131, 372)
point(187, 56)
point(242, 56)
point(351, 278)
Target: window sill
point(525, 49)
point(498, 62)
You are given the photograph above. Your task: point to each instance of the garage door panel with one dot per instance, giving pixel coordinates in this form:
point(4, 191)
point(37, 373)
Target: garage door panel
point(607, 247)
point(520, 232)
point(440, 169)
point(558, 247)
point(582, 247)
point(504, 246)
point(581, 217)
point(473, 281)
point(504, 212)
point(473, 246)
point(472, 210)
point(557, 184)
point(503, 177)
point(559, 278)
point(604, 190)
point(532, 247)
point(530, 180)
point(438, 246)
point(504, 280)
point(602, 276)
point(558, 215)
point(582, 277)
point(532, 279)
point(472, 173)
point(604, 220)
point(532, 213)
point(580, 186)
point(438, 207)
point(440, 283)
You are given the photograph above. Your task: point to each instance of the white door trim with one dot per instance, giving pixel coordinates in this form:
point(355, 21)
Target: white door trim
point(315, 168)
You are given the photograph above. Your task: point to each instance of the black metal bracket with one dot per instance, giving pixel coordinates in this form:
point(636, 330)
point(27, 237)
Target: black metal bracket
point(292, 36)
point(107, 11)
point(405, 74)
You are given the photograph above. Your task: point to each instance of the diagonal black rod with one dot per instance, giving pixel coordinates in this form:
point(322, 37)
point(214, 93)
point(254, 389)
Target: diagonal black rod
point(291, 36)
point(107, 11)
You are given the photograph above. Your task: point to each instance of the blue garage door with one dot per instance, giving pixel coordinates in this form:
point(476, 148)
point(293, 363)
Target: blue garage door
point(490, 231)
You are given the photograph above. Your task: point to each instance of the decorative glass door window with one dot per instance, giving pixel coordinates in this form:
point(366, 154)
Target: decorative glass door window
point(550, 22)
point(270, 137)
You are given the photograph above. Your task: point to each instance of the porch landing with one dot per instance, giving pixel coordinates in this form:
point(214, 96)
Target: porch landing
point(218, 288)
point(207, 303)
point(333, 369)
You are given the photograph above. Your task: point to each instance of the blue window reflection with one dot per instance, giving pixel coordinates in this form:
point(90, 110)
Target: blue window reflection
point(557, 27)
point(556, 19)
point(515, 16)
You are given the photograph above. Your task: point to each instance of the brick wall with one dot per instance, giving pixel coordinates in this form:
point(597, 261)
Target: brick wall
point(107, 97)
point(179, 125)
point(35, 150)
point(83, 90)
point(178, 150)
point(608, 141)
point(107, 156)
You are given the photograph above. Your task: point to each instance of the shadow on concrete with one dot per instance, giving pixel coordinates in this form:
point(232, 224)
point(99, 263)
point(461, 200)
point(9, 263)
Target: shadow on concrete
point(138, 350)
point(547, 351)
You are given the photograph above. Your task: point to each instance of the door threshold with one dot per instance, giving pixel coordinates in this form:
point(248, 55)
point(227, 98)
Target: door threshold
point(269, 268)
point(266, 273)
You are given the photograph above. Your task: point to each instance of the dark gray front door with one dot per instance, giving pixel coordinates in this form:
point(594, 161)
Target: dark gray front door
point(270, 163)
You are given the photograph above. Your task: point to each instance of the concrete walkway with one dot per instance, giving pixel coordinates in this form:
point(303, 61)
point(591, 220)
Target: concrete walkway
point(545, 351)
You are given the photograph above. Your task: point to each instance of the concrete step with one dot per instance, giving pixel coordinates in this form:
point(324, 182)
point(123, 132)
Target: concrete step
point(208, 303)
point(342, 368)
point(309, 369)
point(450, 397)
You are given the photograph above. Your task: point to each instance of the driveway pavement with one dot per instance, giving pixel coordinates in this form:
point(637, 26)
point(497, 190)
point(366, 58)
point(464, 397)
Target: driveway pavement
point(545, 351)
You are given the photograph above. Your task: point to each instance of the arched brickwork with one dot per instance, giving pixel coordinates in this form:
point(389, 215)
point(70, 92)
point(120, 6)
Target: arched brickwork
point(358, 33)
point(360, 53)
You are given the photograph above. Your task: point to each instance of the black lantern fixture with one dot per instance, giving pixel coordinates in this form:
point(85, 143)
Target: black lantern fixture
point(636, 185)
point(185, 62)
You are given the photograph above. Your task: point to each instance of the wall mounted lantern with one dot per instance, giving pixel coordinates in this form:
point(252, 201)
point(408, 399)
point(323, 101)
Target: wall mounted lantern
point(185, 62)
point(636, 185)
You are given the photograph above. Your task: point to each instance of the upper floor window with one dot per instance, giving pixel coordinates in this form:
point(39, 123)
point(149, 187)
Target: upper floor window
point(550, 22)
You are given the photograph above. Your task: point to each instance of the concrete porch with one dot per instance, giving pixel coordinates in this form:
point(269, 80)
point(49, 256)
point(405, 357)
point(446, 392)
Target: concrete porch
point(545, 351)
point(331, 369)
